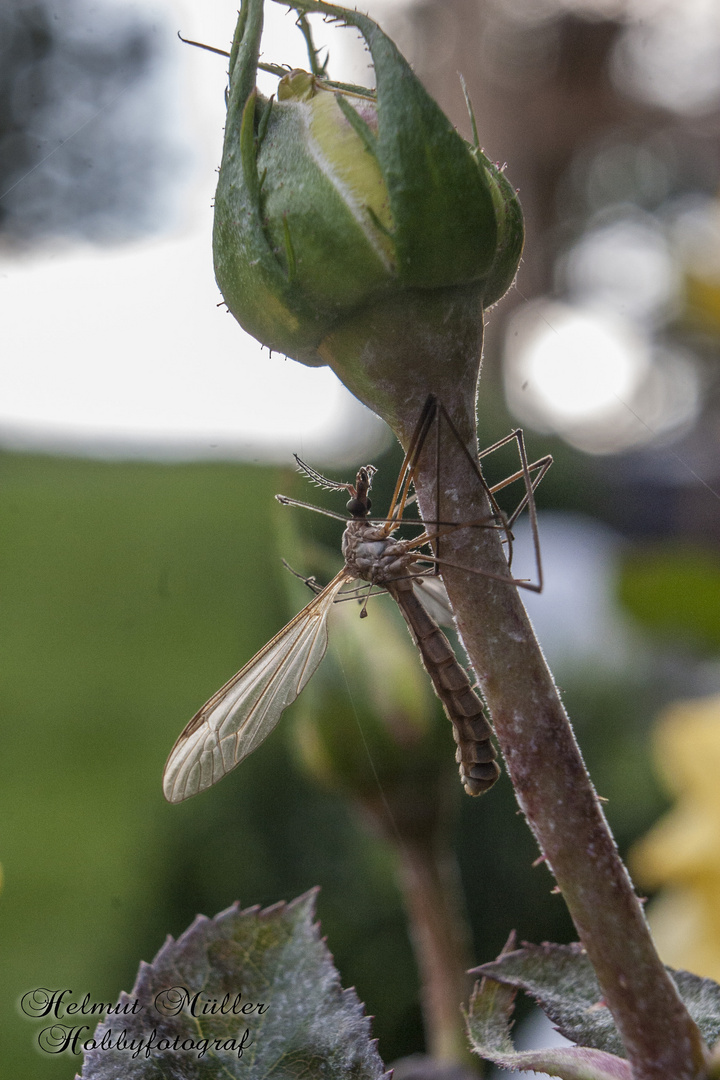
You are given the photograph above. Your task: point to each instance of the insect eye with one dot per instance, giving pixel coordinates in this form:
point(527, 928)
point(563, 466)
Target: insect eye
point(357, 508)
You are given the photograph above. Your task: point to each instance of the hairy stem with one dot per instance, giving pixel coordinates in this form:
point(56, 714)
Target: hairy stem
point(432, 347)
point(557, 797)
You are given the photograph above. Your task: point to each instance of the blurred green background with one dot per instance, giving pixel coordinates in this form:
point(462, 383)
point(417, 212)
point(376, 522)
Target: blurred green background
point(130, 591)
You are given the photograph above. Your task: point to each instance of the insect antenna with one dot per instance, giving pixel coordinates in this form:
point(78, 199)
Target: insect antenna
point(318, 479)
point(285, 500)
point(401, 496)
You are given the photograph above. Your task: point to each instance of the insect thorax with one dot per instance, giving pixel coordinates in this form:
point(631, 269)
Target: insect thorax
point(371, 555)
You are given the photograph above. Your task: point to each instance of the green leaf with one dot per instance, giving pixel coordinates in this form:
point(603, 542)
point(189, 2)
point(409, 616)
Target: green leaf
point(488, 1021)
point(701, 998)
point(561, 980)
point(250, 994)
point(489, 1030)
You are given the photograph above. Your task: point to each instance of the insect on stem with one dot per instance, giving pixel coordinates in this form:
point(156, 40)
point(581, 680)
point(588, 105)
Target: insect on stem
point(240, 716)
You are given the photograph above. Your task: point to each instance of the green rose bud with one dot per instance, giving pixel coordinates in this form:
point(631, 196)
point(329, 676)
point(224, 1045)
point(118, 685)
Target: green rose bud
point(333, 199)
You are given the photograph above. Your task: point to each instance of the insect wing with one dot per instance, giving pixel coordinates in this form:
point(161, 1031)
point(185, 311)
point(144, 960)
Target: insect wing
point(245, 710)
point(433, 596)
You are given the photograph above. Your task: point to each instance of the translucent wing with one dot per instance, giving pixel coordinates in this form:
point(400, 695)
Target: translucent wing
point(245, 710)
point(431, 593)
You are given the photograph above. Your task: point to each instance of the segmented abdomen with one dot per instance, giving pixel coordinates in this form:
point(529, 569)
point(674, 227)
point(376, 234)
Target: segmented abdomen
point(475, 752)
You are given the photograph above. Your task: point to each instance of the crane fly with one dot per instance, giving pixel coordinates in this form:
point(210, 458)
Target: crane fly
point(241, 715)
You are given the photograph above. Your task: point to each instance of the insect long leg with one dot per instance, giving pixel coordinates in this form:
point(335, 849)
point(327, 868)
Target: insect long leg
point(473, 461)
point(362, 592)
point(405, 476)
point(435, 411)
point(427, 537)
point(543, 464)
point(539, 467)
point(439, 563)
point(312, 583)
point(402, 497)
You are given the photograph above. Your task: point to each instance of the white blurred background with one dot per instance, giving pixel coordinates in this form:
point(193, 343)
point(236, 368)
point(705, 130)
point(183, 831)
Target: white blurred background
point(112, 343)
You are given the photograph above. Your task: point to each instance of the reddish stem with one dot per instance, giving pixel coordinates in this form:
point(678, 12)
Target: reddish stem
point(392, 356)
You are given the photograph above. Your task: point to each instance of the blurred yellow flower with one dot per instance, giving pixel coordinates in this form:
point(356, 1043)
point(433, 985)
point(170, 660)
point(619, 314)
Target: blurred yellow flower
point(702, 301)
point(699, 243)
point(681, 853)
